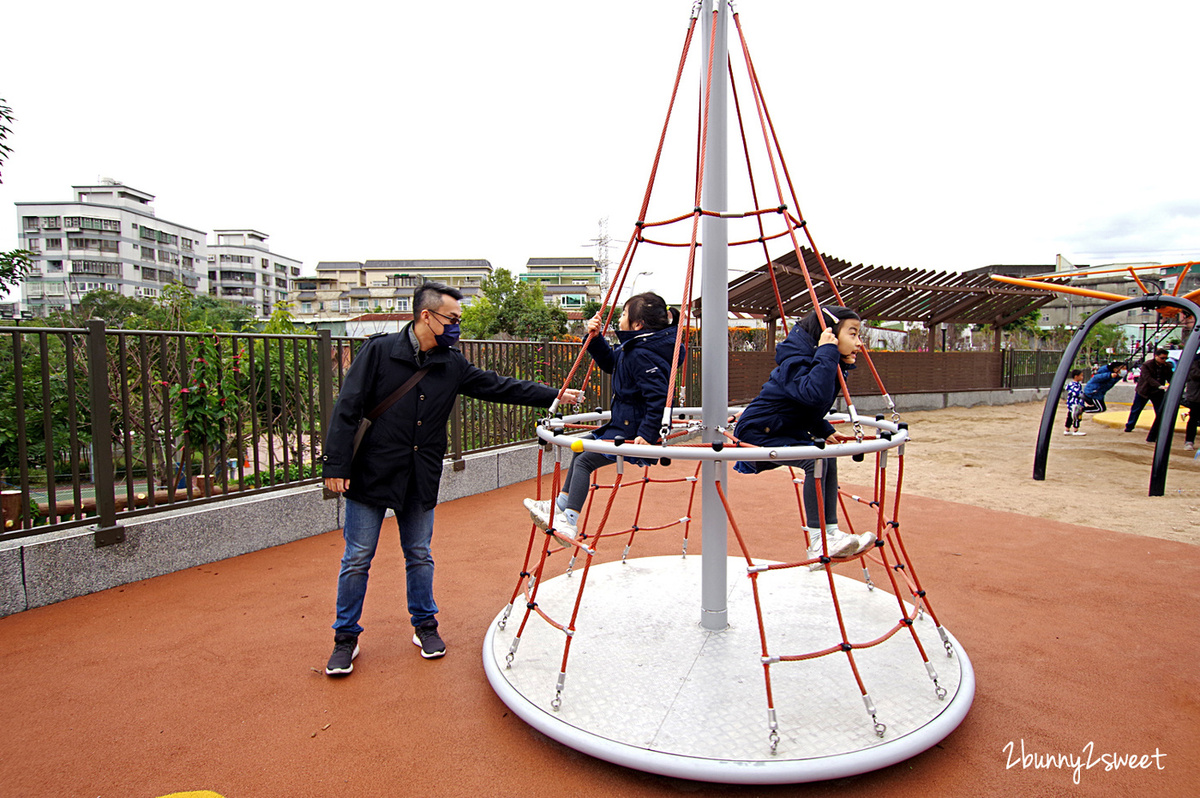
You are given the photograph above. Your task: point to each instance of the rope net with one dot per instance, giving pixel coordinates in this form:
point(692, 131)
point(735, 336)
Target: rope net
point(775, 217)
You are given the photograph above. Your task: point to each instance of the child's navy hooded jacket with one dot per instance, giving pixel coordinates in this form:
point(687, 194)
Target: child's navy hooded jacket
point(790, 409)
point(641, 369)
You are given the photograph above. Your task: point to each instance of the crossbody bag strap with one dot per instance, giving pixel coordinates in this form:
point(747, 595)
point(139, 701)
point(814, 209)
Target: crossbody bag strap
point(364, 423)
point(396, 394)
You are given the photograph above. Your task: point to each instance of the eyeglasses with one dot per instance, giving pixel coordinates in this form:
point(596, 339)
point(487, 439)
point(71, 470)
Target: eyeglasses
point(450, 319)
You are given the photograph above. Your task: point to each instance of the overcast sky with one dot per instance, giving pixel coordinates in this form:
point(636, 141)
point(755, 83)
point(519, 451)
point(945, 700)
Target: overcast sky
point(943, 135)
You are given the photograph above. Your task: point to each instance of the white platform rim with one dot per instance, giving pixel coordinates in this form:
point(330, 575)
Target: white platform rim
point(736, 771)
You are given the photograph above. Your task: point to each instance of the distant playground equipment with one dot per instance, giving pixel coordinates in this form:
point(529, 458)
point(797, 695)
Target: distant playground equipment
point(1169, 305)
point(654, 690)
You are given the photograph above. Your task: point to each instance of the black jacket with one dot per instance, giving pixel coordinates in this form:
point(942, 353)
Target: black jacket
point(404, 448)
point(1153, 377)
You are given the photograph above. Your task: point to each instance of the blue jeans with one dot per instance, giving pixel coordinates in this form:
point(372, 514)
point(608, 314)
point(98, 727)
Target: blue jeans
point(361, 531)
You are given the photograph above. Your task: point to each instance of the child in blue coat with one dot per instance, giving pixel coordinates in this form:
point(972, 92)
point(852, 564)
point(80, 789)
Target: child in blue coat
point(641, 371)
point(790, 411)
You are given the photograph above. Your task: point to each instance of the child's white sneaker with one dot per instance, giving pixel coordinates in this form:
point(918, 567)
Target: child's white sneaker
point(562, 529)
point(840, 543)
point(539, 511)
point(1080, 432)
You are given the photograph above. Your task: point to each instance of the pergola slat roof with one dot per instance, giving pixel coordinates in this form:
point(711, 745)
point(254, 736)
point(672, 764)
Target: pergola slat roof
point(883, 293)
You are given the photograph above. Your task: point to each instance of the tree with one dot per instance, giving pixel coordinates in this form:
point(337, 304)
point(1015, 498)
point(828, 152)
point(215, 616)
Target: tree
point(15, 264)
point(506, 305)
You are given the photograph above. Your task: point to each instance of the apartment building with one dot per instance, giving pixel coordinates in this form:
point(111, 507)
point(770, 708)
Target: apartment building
point(106, 237)
point(243, 269)
point(568, 283)
point(344, 289)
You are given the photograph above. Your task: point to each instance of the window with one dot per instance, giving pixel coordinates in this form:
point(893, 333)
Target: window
point(53, 243)
point(189, 263)
point(148, 253)
point(146, 233)
point(56, 289)
point(54, 265)
point(266, 264)
point(236, 259)
point(295, 271)
point(306, 307)
point(112, 225)
point(33, 245)
point(31, 223)
point(51, 223)
point(363, 304)
point(33, 290)
point(403, 304)
point(186, 244)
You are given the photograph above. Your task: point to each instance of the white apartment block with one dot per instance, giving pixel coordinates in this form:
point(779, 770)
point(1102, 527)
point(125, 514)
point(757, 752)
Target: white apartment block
point(344, 289)
point(242, 269)
point(106, 237)
point(568, 283)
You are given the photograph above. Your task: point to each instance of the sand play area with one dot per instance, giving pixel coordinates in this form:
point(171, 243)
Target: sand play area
point(984, 456)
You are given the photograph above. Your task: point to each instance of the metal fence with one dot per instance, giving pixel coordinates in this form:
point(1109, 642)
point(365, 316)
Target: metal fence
point(1030, 368)
point(100, 425)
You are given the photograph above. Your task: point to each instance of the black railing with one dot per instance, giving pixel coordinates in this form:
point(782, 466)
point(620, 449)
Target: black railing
point(99, 425)
point(1030, 368)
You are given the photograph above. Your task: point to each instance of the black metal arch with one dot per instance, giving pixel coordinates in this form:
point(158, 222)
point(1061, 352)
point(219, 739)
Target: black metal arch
point(1170, 407)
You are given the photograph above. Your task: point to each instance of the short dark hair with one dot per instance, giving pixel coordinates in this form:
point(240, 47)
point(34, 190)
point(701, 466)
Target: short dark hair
point(1076, 372)
point(428, 296)
point(1116, 365)
point(1160, 351)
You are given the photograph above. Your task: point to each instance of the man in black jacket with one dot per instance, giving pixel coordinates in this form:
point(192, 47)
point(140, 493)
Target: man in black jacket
point(399, 462)
point(1155, 374)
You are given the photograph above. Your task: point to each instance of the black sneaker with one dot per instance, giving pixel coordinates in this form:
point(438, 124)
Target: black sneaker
point(341, 661)
point(429, 640)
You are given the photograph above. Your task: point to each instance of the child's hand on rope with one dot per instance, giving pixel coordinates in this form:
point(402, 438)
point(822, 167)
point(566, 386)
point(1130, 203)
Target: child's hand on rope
point(642, 441)
point(827, 337)
point(593, 325)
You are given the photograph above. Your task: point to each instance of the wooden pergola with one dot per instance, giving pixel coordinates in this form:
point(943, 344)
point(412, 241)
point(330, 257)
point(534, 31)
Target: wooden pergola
point(881, 293)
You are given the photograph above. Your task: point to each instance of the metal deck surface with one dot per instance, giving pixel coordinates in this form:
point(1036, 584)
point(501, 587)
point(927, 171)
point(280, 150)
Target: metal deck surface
point(647, 687)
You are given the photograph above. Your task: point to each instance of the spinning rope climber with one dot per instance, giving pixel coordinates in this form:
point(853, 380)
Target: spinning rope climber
point(696, 447)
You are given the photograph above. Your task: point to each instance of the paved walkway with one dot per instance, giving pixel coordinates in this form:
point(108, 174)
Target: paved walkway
point(1083, 642)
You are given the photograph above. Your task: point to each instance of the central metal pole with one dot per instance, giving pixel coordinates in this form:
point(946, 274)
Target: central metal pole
point(714, 335)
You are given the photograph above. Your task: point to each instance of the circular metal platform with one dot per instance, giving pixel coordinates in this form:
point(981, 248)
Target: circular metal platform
point(646, 687)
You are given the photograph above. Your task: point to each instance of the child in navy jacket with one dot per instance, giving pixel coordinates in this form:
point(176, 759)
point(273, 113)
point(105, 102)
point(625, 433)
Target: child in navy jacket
point(790, 411)
point(641, 371)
